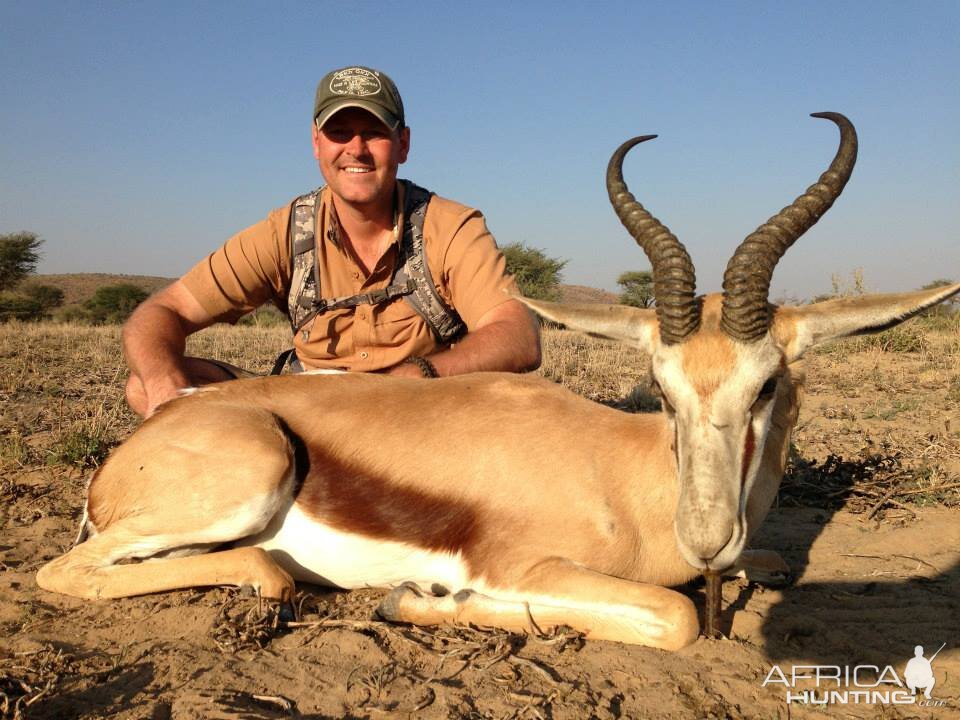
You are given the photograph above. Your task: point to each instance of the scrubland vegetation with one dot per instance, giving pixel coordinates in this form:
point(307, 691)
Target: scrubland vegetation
point(61, 385)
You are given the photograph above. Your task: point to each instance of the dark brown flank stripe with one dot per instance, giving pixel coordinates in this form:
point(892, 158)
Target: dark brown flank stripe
point(357, 502)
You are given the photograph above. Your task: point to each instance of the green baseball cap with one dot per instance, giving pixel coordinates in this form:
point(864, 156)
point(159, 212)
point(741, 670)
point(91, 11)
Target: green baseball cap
point(360, 87)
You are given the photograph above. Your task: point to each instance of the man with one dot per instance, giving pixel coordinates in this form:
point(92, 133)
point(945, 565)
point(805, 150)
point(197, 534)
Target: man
point(343, 262)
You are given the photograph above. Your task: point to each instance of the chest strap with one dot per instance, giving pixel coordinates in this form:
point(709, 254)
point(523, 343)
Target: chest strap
point(411, 277)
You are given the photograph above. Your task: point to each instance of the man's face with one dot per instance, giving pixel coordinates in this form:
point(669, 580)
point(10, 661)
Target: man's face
point(359, 156)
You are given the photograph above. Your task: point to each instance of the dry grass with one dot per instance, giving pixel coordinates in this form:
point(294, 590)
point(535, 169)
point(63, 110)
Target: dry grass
point(870, 401)
point(897, 392)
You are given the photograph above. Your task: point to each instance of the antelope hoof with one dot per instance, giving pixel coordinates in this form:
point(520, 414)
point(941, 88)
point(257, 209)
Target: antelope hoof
point(269, 579)
point(390, 608)
point(287, 613)
point(764, 567)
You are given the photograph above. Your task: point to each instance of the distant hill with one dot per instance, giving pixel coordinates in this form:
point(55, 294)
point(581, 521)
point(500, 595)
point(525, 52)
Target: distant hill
point(584, 294)
point(78, 287)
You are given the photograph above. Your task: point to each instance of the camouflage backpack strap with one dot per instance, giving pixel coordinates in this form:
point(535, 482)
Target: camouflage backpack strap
point(412, 268)
point(304, 282)
point(411, 280)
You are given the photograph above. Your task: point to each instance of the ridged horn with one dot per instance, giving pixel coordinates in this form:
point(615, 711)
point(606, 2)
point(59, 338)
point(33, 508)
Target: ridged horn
point(746, 314)
point(674, 282)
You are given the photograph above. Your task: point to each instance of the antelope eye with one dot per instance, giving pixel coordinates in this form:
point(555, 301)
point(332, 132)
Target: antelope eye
point(769, 388)
point(658, 393)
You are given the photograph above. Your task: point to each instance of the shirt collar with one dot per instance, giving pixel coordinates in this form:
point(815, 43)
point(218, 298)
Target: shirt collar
point(334, 229)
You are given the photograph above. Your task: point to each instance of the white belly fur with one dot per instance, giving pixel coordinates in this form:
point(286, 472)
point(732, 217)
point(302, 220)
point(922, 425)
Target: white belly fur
point(314, 552)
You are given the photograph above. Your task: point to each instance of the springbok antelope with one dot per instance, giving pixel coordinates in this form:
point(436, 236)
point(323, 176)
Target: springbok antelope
point(510, 497)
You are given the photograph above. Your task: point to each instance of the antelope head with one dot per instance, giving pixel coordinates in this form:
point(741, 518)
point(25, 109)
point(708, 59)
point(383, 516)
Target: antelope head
point(721, 362)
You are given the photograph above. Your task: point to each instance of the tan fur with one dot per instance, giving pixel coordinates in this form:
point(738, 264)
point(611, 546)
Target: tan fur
point(707, 360)
point(547, 504)
point(709, 355)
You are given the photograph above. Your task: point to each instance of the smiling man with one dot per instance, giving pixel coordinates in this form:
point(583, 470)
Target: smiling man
point(376, 274)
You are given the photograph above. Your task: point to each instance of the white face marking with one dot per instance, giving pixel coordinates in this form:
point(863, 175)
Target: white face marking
point(712, 430)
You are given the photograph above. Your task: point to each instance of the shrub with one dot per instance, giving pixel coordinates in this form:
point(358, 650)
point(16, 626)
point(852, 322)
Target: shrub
point(536, 274)
point(81, 447)
point(114, 303)
point(17, 306)
point(48, 296)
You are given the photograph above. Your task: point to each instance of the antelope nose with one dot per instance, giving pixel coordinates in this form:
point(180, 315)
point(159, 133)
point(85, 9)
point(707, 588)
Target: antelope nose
point(710, 544)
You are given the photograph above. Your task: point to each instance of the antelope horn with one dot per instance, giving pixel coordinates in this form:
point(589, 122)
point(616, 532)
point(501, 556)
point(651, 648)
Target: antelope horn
point(674, 282)
point(746, 314)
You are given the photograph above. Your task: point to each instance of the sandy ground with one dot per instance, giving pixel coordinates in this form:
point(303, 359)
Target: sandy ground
point(864, 595)
point(867, 589)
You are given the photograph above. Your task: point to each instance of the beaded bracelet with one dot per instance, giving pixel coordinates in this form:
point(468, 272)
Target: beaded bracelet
point(426, 367)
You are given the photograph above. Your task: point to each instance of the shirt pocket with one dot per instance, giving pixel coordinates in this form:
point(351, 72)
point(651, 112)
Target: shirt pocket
point(398, 325)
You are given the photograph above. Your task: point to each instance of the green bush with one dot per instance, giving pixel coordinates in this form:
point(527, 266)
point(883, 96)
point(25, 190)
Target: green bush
point(114, 303)
point(536, 274)
point(29, 302)
point(48, 296)
point(82, 448)
point(17, 306)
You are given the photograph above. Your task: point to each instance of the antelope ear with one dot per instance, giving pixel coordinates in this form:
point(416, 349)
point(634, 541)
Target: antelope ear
point(797, 329)
point(636, 327)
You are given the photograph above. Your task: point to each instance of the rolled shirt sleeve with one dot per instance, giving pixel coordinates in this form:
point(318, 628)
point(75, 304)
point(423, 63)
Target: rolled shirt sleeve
point(473, 275)
point(250, 269)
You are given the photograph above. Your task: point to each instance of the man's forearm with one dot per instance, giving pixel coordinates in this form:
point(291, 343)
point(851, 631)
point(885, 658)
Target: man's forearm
point(508, 343)
point(154, 342)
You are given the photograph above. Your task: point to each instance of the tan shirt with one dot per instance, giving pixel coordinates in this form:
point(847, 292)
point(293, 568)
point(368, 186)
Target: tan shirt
point(254, 267)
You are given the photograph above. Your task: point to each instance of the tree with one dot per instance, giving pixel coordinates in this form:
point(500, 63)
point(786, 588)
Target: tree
point(114, 303)
point(536, 274)
point(19, 255)
point(637, 288)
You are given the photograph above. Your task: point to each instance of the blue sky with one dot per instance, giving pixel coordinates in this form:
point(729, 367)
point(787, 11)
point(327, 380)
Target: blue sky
point(137, 137)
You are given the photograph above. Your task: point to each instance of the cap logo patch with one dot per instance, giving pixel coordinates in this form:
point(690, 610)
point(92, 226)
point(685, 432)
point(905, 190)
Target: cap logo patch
point(355, 81)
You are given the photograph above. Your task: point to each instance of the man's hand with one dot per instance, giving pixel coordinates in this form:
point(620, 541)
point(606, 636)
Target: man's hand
point(152, 396)
point(154, 342)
